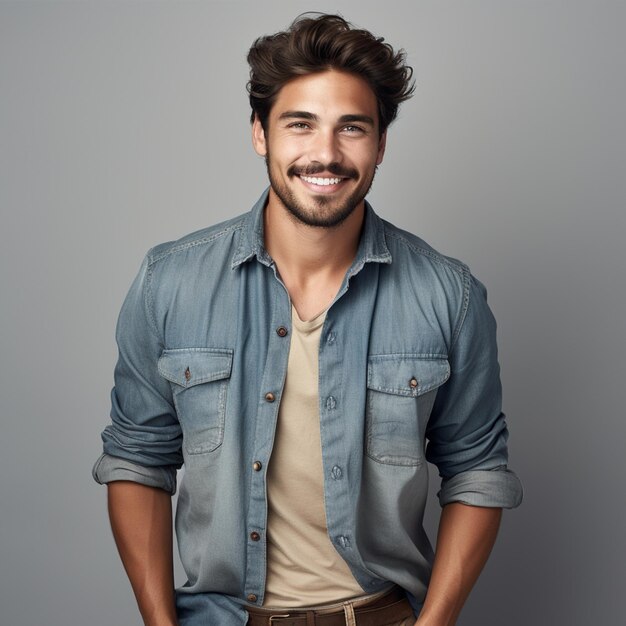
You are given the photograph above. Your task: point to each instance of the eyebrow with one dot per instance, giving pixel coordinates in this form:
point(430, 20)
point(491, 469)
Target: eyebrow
point(363, 119)
point(301, 115)
point(344, 119)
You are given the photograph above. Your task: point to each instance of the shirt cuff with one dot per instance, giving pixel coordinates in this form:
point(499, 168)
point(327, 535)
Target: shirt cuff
point(498, 487)
point(111, 468)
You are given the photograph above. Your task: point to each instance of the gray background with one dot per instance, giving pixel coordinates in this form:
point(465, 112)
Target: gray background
point(125, 124)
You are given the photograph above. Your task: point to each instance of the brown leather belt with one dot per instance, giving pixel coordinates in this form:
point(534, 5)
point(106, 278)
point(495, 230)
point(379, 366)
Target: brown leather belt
point(386, 609)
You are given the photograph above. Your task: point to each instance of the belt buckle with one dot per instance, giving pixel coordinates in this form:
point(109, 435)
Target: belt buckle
point(275, 618)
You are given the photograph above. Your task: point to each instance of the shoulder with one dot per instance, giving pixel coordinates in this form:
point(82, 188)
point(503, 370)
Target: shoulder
point(409, 250)
point(217, 238)
point(427, 273)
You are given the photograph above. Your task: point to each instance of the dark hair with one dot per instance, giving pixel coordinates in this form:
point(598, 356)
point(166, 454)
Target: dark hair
point(325, 42)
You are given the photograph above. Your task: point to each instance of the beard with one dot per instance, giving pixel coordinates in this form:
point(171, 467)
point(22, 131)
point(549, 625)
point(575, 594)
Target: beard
point(326, 212)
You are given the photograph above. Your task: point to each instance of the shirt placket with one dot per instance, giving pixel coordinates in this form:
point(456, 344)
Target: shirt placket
point(272, 384)
point(342, 353)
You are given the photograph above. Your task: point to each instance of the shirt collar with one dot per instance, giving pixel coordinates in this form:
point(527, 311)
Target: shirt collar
point(372, 246)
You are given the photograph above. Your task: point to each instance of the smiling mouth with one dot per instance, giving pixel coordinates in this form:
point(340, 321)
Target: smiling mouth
point(321, 182)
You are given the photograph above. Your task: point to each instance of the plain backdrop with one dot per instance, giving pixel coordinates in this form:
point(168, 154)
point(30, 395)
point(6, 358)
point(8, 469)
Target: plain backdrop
point(125, 124)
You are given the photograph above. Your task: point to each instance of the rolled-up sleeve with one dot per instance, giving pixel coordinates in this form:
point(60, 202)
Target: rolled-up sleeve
point(143, 442)
point(467, 433)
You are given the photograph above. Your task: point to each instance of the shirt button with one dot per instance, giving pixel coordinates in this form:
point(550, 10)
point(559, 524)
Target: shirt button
point(251, 597)
point(336, 472)
point(270, 397)
point(281, 331)
point(413, 383)
point(254, 535)
point(187, 374)
point(256, 466)
point(331, 403)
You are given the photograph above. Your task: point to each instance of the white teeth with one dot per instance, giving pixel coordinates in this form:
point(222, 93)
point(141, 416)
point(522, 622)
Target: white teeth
point(321, 181)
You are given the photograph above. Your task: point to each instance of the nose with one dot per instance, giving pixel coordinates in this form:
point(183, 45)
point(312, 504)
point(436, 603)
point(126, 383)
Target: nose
point(325, 147)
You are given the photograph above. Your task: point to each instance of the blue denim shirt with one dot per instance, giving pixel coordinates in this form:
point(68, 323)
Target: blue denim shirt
point(408, 373)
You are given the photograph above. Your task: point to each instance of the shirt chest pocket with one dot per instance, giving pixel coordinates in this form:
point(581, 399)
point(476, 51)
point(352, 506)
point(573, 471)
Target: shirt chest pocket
point(401, 391)
point(199, 379)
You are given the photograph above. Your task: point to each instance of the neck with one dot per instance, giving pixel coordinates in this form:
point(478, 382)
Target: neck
point(304, 251)
point(311, 261)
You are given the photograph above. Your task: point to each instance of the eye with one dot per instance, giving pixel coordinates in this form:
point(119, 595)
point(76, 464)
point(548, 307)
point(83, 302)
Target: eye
point(353, 130)
point(299, 126)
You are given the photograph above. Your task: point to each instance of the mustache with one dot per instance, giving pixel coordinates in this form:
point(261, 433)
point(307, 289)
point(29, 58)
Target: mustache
point(318, 168)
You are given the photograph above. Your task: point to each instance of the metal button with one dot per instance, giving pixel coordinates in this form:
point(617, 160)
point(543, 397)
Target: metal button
point(187, 374)
point(270, 397)
point(254, 535)
point(413, 383)
point(281, 331)
point(256, 466)
point(251, 597)
point(336, 472)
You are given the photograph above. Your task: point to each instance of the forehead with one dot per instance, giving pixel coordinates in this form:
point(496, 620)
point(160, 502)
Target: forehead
point(327, 94)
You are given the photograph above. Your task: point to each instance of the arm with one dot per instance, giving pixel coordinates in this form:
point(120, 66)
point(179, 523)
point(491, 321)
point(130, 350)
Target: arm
point(468, 443)
point(466, 536)
point(141, 520)
point(142, 450)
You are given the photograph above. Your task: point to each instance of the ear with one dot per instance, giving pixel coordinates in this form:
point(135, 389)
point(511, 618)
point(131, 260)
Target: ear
point(258, 137)
point(382, 143)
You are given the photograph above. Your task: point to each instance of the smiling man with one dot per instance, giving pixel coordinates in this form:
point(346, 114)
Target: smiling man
point(329, 155)
point(304, 361)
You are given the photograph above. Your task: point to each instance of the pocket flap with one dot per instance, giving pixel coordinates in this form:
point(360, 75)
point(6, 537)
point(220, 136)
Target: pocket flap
point(406, 374)
point(192, 366)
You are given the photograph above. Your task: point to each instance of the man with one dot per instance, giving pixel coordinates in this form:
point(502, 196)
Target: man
point(296, 360)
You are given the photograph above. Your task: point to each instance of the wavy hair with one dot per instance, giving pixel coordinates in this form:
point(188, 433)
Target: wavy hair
point(327, 42)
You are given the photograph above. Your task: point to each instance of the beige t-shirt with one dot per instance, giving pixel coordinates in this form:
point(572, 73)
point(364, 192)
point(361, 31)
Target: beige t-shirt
point(303, 567)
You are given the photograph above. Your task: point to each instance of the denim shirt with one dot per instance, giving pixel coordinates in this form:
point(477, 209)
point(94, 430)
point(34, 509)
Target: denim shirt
point(408, 373)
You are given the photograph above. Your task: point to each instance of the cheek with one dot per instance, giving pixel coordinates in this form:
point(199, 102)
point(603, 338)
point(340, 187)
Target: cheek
point(294, 150)
point(285, 154)
point(365, 155)
point(371, 160)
